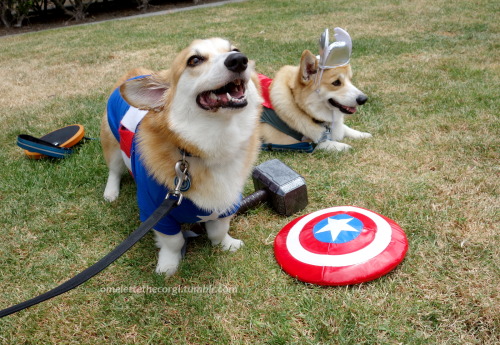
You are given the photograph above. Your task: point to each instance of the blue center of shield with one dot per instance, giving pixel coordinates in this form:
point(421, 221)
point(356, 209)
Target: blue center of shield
point(340, 228)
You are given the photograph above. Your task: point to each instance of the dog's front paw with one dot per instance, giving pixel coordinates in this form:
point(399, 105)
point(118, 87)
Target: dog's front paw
point(330, 145)
point(168, 263)
point(167, 270)
point(230, 244)
point(355, 134)
point(361, 135)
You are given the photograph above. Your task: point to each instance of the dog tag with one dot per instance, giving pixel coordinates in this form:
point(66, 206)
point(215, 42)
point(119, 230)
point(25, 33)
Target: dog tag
point(185, 185)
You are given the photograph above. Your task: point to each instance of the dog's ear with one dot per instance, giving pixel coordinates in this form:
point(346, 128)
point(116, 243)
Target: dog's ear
point(308, 67)
point(146, 93)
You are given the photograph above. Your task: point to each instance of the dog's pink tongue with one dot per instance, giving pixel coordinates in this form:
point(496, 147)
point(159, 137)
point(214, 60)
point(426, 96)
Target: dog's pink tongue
point(212, 100)
point(237, 92)
point(351, 110)
point(223, 98)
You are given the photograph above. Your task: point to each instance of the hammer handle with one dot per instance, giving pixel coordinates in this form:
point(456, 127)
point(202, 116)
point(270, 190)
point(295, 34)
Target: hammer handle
point(253, 200)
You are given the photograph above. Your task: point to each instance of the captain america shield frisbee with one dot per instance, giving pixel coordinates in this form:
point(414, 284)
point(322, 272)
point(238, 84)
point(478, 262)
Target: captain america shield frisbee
point(341, 245)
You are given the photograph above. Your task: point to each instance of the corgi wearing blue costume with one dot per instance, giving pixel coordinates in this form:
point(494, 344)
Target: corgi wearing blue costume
point(204, 110)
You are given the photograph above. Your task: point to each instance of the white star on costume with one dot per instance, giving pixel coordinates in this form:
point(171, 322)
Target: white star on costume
point(336, 226)
point(213, 216)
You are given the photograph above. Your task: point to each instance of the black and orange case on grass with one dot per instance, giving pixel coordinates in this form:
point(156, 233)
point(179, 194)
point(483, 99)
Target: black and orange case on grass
point(67, 137)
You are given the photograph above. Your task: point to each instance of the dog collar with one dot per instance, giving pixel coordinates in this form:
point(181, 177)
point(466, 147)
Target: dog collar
point(184, 153)
point(333, 55)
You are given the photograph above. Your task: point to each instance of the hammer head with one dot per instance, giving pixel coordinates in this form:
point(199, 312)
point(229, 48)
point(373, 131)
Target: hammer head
point(286, 188)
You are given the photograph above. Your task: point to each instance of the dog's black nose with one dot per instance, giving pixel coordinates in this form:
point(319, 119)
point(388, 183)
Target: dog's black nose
point(361, 99)
point(236, 62)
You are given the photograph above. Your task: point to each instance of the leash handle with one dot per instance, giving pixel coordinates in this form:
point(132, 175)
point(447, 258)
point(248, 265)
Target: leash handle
point(38, 145)
point(165, 207)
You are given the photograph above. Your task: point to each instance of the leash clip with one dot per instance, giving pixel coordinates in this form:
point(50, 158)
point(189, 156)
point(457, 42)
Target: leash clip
point(327, 135)
point(182, 181)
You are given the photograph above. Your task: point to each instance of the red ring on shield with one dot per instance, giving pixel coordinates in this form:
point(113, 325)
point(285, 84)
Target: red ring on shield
point(378, 247)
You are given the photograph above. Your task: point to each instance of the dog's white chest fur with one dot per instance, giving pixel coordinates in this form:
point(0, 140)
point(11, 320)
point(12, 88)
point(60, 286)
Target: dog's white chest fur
point(224, 137)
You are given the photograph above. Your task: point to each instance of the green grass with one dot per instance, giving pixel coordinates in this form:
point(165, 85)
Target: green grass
point(431, 70)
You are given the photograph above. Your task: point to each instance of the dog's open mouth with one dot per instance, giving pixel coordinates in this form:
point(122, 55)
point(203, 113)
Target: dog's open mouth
point(231, 95)
point(342, 108)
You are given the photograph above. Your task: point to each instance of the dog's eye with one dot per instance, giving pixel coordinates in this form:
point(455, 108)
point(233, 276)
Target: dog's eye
point(337, 82)
point(195, 60)
point(236, 50)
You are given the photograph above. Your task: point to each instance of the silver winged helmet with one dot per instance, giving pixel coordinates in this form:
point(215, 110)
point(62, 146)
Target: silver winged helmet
point(335, 54)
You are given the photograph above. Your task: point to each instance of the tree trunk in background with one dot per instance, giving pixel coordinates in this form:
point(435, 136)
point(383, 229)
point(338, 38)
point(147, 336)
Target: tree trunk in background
point(76, 10)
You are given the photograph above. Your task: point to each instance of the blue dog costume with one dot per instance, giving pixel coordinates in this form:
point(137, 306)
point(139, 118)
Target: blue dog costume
point(124, 121)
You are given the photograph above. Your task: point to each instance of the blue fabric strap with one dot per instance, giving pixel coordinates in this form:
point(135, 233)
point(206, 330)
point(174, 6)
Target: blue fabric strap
point(301, 147)
point(270, 117)
point(33, 144)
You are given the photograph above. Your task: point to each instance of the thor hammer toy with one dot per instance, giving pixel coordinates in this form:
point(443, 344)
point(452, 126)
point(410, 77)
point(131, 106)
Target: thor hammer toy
point(277, 183)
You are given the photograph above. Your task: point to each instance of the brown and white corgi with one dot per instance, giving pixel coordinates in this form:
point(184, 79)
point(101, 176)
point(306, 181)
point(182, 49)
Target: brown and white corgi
point(312, 101)
point(205, 109)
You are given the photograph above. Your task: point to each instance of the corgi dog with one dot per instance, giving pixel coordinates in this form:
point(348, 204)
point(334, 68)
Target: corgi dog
point(202, 112)
point(312, 100)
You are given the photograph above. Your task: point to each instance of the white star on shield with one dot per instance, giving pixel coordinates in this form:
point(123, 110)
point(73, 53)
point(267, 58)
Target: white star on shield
point(336, 226)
